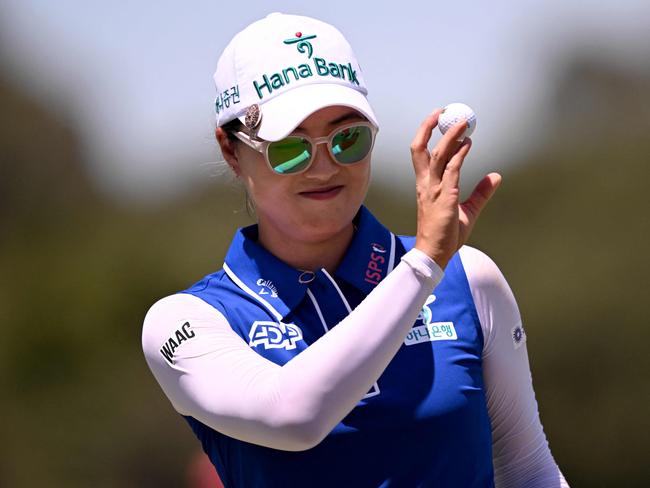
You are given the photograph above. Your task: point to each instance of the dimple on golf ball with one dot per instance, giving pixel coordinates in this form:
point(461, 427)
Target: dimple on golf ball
point(453, 114)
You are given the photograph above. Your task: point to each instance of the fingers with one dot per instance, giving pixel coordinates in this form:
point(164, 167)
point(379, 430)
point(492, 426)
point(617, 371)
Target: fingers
point(479, 198)
point(447, 147)
point(419, 146)
point(451, 174)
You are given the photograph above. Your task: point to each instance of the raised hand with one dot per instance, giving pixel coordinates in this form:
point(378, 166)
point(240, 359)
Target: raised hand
point(444, 224)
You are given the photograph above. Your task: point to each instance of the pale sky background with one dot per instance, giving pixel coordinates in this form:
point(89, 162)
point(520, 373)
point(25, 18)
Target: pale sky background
point(137, 76)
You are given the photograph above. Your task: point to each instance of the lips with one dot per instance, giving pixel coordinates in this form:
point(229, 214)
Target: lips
point(323, 193)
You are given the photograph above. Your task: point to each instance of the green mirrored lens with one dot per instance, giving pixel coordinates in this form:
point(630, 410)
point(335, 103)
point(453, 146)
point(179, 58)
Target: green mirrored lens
point(353, 144)
point(289, 155)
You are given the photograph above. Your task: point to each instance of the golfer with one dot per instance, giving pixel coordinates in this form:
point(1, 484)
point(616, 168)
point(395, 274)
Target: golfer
point(328, 351)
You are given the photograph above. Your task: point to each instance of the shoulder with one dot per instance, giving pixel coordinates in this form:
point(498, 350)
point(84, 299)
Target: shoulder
point(493, 299)
point(476, 260)
point(480, 269)
point(176, 317)
point(214, 291)
point(482, 272)
point(181, 336)
point(209, 283)
point(178, 304)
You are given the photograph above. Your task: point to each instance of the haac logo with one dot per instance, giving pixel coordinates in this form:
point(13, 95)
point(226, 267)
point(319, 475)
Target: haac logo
point(274, 335)
point(290, 74)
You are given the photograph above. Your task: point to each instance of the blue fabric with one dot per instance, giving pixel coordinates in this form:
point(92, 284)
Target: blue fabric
point(426, 426)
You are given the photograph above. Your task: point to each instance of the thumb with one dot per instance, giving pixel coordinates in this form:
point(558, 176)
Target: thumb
point(479, 198)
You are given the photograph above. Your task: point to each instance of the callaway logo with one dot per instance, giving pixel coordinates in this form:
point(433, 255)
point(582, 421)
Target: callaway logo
point(274, 335)
point(267, 288)
point(289, 74)
point(303, 43)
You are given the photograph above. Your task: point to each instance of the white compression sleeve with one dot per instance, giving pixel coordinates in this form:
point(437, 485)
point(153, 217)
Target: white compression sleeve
point(521, 454)
point(217, 379)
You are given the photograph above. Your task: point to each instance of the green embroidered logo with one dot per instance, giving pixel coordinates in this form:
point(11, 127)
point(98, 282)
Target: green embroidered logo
point(302, 43)
point(317, 66)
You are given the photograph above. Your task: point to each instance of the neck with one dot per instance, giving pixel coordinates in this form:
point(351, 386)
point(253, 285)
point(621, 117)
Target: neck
point(307, 255)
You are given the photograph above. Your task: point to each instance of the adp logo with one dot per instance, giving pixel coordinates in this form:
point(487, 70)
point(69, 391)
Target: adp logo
point(274, 335)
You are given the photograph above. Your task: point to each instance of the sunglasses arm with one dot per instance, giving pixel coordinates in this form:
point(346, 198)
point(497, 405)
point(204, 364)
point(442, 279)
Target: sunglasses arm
point(257, 145)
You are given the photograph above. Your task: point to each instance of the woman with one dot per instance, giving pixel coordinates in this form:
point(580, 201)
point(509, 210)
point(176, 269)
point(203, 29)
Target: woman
point(328, 351)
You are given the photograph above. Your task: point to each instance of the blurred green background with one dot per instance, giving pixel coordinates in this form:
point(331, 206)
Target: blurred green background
point(569, 229)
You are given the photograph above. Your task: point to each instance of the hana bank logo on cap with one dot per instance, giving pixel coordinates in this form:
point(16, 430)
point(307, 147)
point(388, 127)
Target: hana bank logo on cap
point(293, 73)
point(303, 43)
point(287, 67)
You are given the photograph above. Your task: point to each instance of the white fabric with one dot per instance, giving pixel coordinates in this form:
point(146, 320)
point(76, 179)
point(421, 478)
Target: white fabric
point(521, 455)
point(221, 382)
point(283, 114)
point(291, 66)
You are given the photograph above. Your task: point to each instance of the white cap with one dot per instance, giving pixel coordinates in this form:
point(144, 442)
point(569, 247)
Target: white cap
point(288, 66)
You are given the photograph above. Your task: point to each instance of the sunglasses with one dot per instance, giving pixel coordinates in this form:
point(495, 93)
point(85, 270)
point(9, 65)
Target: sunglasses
point(348, 144)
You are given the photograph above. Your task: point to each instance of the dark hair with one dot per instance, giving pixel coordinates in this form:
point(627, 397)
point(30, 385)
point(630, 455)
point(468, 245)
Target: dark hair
point(233, 126)
point(229, 128)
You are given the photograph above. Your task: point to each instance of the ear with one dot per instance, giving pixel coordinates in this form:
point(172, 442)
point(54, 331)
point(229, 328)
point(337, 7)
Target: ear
point(227, 149)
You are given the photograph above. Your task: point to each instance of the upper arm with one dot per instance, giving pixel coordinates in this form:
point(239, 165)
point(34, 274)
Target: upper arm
point(521, 454)
point(208, 372)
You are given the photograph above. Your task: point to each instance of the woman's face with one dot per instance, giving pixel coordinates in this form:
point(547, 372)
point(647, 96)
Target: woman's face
point(314, 205)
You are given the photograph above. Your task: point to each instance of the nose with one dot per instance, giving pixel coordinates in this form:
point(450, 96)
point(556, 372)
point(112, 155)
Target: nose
point(323, 167)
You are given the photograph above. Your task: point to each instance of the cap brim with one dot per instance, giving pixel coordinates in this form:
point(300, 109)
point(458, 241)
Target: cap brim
point(282, 114)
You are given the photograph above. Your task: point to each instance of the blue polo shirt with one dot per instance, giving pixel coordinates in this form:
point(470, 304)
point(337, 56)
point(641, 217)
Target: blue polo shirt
point(424, 422)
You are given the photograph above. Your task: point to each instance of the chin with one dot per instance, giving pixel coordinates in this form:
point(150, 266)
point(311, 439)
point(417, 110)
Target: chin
point(321, 233)
point(318, 228)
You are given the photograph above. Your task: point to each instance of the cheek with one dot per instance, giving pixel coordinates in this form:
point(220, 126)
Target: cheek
point(361, 179)
point(267, 190)
point(252, 170)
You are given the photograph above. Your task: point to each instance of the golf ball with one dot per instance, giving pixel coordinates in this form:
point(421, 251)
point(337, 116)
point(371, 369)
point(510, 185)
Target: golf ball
point(454, 113)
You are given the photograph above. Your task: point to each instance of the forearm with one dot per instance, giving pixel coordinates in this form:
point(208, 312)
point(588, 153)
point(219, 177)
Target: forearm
point(348, 359)
point(221, 382)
